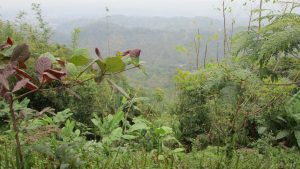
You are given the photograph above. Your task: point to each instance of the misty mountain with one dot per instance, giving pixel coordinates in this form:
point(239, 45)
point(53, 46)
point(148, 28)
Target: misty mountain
point(157, 37)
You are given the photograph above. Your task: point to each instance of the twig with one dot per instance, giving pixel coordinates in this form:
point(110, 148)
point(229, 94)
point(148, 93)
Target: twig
point(260, 12)
point(225, 32)
point(86, 68)
point(25, 94)
point(121, 71)
point(205, 56)
point(267, 105)
point(284, 84)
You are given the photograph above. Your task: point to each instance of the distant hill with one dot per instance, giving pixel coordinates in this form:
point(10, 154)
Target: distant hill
point(157, 37)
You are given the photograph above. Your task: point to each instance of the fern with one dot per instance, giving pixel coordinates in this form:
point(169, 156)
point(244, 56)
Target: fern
point(286, 41)
point(281, 22)
point(281, 36)
point(293, 106)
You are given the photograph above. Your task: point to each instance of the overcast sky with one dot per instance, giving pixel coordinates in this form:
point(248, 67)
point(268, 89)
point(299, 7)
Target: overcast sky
point(96, 8)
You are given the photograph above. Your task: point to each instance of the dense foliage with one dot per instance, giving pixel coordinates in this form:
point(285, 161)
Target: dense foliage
point(62, 107)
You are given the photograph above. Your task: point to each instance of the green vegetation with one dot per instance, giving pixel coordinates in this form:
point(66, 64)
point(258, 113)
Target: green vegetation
point(61, 107)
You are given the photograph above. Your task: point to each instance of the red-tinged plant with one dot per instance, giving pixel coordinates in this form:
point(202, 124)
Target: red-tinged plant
point(132, 53)
point(47, 71)
point(97, 51)
point(7, 44)
point(9, 41)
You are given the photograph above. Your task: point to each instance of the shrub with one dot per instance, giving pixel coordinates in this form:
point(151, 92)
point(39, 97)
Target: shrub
point(226, 102)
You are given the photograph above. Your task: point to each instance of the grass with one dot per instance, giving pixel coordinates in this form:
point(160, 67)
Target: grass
point(129, 158)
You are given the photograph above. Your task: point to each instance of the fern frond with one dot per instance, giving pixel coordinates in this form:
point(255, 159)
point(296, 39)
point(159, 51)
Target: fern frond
point(293, 105)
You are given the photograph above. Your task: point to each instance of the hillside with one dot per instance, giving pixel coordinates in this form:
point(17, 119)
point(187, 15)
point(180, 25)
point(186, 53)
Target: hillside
point(157, 37)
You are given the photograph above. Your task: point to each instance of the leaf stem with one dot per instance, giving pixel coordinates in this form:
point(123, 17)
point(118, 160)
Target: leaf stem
point(19, 156)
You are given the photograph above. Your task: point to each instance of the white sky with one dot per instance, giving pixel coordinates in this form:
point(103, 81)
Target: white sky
point(96, 8)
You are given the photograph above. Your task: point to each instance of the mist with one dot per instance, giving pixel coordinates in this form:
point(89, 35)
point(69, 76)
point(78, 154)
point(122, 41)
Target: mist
point(69, 9)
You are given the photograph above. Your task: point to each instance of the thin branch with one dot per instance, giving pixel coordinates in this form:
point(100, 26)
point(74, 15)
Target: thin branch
point(250, 19)
point(25, 94)
point(260, 13)
point(295, 56)
point(86, 68)
point(284, 84)
point(275, 99)
point(225, 32)
point(51, 89)
point(218, 52)
point(121, 71)
point(205, 56)
point(197, 48)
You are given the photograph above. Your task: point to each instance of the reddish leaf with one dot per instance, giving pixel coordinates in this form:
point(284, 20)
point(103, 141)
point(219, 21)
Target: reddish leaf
point(30, 86)
point(97, 51)
point(4, 46)
point(42, 64)
point(126, 52)
point(2, 90)
point(21, 53)
point(4, 74)
point(132, 53)
point(23, 73)
point(58, 74)
point(20, 84)
point(7, 71)
point(47, 78)
point(22, 65)
point(18, 77)
point(5, 94)
point(9, 41)
point(8, 97)
point(135, 53)
point(4, 82)
point(61, 62)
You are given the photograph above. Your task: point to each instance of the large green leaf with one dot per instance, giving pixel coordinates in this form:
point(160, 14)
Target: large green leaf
point(178, 150)
point(163, 130)
point(80, 57)
point(282, 134)
point(261, 130)
point(8, 52)
point(129, 137)
point(138, 126)
point(117, 119)
point(115, 135)
point(114, 64)
point(101, 64)
point(293, 106)
point(71, 69)
point(62, 116)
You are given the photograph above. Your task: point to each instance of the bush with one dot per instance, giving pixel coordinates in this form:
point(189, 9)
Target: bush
point(94, 98)
point(227, 103)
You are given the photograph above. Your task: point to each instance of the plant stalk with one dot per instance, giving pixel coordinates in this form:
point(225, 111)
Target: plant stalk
point(19, 157)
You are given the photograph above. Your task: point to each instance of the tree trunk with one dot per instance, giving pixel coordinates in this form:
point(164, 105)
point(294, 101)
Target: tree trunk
point(205, 56)
point(218, 52)
point(225, 32)
point(260, 13)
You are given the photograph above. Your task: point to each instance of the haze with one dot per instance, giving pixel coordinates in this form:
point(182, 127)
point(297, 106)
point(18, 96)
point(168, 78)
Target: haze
point(54, 9)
